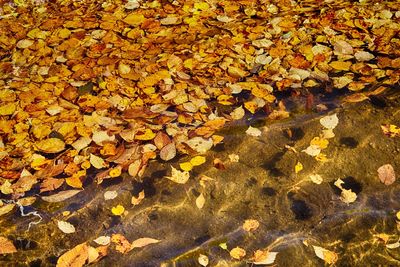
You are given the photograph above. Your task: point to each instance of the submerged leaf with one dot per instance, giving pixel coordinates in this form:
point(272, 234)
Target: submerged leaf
point(75, 257)
point(66, 227)
point(386, 174)
point(61, 196)
point(180, 177)
point(328, 256)
point(6, 246)
point(144, 241)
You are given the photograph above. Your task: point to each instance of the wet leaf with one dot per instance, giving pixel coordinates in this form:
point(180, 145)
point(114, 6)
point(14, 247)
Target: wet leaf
point(108, 195)
point(203, 260)
point(329, 122)
point(298, 167)
point(180, 177)
point(391, 130)
point(168, 152)
point(186, 166)
point(97, 162)
point(316, 178)
point(237, 253)
point(233, 157)
point(121, 243)
point(250, 225)
point(328, 256)
point(103, 240)
point(6, 246)
point(144, 241)
point(200, 201)
point(136, 200)
point(6, 208)
point(66, 227)
point(200, 144)
point(264, 257)
point(312, 150)
point(386, 174)
point(75, 257)
point(253, 131)
point(118, 210)
point(61, 196)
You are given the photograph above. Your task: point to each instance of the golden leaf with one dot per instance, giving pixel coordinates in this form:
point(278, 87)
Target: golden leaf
point(75, 257)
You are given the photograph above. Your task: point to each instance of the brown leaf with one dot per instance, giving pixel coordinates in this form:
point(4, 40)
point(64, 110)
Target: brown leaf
point(6, 246)
point(168, 152)
point(386, 174)
point(50, 184)
point(161, 140)
point(75, 257)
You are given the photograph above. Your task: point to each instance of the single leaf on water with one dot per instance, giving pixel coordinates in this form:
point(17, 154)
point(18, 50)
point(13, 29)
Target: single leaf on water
point(253, 131)
point(237, 253)
point(75, 257)
point(264, 257)
point(144, 241)
point(200, 201)
point(61, 196)
point(386, 174)
point(121, 243)
point(103, 240)
point(6, 246)
point(136, 200)
point(328, 256)
point(66, 227)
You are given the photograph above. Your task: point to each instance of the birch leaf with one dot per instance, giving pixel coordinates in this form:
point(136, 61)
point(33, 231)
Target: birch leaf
point(200, 201)
point(329, 122)
point(66, 227)
point(386, 174)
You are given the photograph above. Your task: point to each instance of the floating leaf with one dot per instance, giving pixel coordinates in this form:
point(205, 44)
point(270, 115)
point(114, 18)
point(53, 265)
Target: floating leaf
point(118, 210)
point(103, 240)
point(200, 144)
point(253, 131)
point(200, 201)
point(198, 160)
point(250, 225)
point(186, 166)
point(122, 244)
point(180, 177)
point(108, 195)
point(264, 257)
point(61, 196)
point(329, 122)
point(237, 253)
point(144, 241)
point(203, 260)
point(328, 256)
point(298, 167)
point(66, 227)
point(6, 246)
point(75, 257)
point(386, 174)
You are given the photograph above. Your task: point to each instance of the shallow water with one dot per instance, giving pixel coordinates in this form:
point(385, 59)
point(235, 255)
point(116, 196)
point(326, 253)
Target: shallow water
point(292, 210)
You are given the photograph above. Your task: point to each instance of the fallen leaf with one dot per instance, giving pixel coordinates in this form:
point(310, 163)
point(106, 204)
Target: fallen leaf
point(237, 253)
point(328, 256)
point(316, 178)
point(6, 246)
point(200, 144)
point(233, 157)
point(118, 210)
point(51, 145)
point(61, 196)
point(103, 240)
point(203, 260)
point(329, 122)
point(200, 201)
point(180, 177)
point(93, 254)
point(144, 241)
point(264, 257)
point(198, 160)
point(108, 195)
point(386, 174)
point(168, 152)
point(186, 166)
point(122, 244)
point(66, 227)
point(136, 200)
point(253, 131)
point(6, 208)
point(312, 150)
point(298, 167)
point(389, 246)
point(97, 162)
point(75, 257)
point(250, 225)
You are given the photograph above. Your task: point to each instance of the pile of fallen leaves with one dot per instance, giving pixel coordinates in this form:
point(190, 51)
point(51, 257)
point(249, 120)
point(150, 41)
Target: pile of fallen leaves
point(106, 86)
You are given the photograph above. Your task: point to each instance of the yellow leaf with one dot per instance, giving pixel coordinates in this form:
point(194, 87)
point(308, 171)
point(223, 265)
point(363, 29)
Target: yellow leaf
point(198, 160)
point(186, 166)
point(200, 201)
point(298, 167)
point(250, 225)
point(321, 142)
point(115, 172)
point(237, 253)
point(8, 109)
point(180, 177)
point(321, 157)
point(251, 106)
point(118, 210)
point(146, 135)
point(51, 145)
point(75, 257)
point(202, 6)
point(134, 19)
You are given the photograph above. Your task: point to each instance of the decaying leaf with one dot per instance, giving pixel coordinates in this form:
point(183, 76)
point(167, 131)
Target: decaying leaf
point(144, 241)
point(177, 176)
point(328, 256)
point(136, 200)
point(264, 257)
point(253, 131)
point(61, 196)
point(386, 174)
point(329, 122)
point(75, 257)
point(121, 243)
point(66, 227)
point(203, 260)
point(6, 246)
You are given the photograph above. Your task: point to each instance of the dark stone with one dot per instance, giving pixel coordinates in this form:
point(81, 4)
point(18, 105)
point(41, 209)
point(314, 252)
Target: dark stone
point(349, 142)
point(301, 210)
